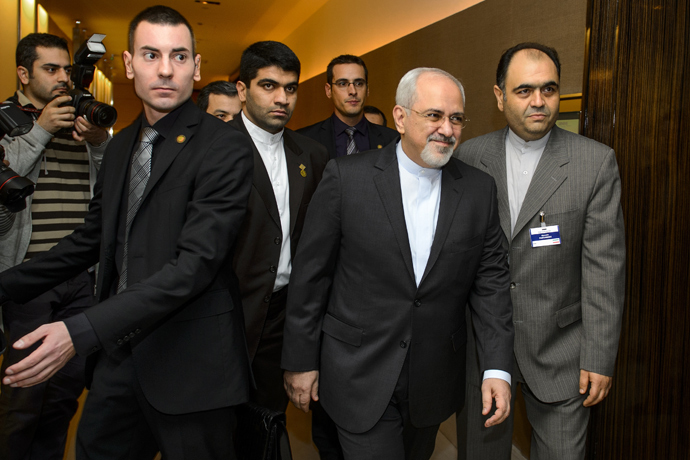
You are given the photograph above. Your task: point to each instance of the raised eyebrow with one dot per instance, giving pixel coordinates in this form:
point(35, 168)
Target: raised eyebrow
point(179, 50)
point(150, 48)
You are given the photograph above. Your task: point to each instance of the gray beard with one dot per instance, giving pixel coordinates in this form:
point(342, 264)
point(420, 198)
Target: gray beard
point(436, 158)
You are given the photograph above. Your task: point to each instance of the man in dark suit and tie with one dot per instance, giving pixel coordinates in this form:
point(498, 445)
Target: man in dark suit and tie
point(559, 206)
point(165, 341)
point(287, 169)
point(347, 131)
point(396, 243)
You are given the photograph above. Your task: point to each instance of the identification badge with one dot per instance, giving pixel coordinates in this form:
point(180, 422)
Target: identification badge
point(545, 236)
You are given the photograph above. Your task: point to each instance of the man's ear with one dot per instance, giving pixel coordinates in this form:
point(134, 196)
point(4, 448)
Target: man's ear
point(127, 58)
point(399, 115)
point(23, 74)
point(197, 67)
point(329, 90)
point(241, 91)
point(499, 97)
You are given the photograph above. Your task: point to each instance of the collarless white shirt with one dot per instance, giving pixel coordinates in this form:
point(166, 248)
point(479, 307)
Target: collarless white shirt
point(421, 196)
point(522, 159)
point(272, 152)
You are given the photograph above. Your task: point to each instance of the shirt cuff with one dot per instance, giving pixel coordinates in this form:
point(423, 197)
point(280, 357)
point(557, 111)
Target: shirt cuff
point(83, 336)
point(496, 374)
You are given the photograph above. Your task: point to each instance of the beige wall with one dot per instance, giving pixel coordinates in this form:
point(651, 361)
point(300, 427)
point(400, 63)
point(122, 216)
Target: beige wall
point(468, 45)
point(9, 11)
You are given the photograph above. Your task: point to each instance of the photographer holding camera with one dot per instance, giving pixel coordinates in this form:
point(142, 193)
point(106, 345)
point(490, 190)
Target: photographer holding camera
point(34, 421)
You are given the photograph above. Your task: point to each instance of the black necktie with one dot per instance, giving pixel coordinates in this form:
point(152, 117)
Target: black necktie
point(139, 176)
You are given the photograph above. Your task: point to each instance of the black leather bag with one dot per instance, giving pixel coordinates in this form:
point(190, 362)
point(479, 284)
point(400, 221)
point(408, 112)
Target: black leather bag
point(261, 434)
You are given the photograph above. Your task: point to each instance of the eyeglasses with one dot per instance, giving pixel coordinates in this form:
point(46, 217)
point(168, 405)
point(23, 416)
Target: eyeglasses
point(344, 84)
point(435, 118)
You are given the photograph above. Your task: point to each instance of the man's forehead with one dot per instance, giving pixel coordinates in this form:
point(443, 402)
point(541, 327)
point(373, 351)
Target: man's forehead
point(528, 61)
point(52, 55)
point(435, 90)
point(150, 35)
point(348, 68)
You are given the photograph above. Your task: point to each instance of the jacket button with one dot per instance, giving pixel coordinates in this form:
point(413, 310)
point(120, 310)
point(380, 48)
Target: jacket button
point(126, 338)
point(138, 331)
point(267, 298)
point(417, 303)
point(403, 344)
point(512, 285)
point(272, 269)
point(131, 335)
point(277, 240)
point(94, 349)
point(119, 341)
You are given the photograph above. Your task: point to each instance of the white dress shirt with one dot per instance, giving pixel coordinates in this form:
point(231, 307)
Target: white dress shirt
point(522, 158)
point(272, 151)
point(421, 196)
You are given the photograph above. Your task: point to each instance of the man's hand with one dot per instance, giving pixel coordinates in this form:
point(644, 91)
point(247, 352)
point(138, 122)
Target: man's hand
point(53, 118)
point(6, 162)
point(499, 390)
point(601, 385)
point(301, 388)
point(46, 360)
point(85, 131)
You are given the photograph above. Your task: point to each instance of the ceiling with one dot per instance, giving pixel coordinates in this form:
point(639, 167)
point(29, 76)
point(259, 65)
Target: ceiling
point(316, 30)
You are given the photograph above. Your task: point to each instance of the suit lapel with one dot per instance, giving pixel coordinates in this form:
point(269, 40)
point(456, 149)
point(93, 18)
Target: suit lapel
point(120, 153)
point(179, 137)
point(295, 166)
point(260, 179)
point(388, 185)
point(495, 163)
point(451, 193)
point(327, 136)
point(547, 178)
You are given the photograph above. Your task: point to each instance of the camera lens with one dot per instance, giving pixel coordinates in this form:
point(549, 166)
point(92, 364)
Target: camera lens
point(13, 189)
point(98, 113)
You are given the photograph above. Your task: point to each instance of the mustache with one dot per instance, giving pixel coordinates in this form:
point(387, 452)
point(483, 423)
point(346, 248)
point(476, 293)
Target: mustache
point(60, 86)
point(543, 110)
point(441, 138)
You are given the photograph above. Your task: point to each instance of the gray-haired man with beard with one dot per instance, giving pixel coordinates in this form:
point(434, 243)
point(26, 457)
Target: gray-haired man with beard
point(396, 242)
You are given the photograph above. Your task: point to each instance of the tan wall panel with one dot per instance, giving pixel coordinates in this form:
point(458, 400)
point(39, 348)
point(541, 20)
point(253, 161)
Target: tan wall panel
point(9, 11)
point(468, 45)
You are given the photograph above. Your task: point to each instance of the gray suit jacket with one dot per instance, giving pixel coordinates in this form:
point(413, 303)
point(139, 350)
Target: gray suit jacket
point(567, 299)
point(353, 280)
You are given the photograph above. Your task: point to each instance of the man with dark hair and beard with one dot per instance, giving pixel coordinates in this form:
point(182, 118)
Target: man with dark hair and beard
point(396, 243)
point(34, 421)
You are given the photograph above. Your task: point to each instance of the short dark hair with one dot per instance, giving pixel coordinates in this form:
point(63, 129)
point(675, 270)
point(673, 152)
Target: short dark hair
point(266, 54)
point(26, 53)
point(507, 56)
point(162, 15)
point(224, 88)
point(345, 59)
point(375, 111)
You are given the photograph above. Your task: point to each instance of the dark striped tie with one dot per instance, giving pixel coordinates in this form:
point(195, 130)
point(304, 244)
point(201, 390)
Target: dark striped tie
point(139, 177)
point(351, 146)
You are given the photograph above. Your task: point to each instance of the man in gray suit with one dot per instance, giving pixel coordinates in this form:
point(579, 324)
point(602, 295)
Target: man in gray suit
point(396, 242)
point(559, 206)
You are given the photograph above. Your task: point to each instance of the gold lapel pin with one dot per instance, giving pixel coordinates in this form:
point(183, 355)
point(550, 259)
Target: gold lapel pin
point(380, 146)
point(303, 172)
point(181, 138)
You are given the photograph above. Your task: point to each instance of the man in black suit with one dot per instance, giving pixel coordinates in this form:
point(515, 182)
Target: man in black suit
point(396, 242)
point(347, 86)
point(287, 169)
point(165, 340)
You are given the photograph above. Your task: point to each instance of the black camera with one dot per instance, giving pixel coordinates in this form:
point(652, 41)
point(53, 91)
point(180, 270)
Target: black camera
point(13, 187)
point(96, 113)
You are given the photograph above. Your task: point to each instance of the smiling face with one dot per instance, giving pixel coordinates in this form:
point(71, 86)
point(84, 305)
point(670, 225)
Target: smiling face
point(348, 91)
point(49, 77)
point(162, 66)
point(270, 98)
point(531, 99)
point(426, 140)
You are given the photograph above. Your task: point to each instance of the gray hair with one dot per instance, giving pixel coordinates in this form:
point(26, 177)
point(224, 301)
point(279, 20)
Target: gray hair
point(406, 94)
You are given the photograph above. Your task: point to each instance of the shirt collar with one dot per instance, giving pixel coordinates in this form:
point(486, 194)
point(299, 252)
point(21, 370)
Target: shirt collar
point(411, 167)
point(524, 146)
point(259, 134)
point(164, 126)
point(23, 100)
point(339, 126)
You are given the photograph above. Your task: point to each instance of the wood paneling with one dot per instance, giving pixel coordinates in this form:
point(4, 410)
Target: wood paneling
point(636, 99)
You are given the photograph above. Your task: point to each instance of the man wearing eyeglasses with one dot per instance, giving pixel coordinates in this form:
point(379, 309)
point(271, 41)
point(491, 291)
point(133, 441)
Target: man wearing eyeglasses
point(396, 243)
point(347, 131)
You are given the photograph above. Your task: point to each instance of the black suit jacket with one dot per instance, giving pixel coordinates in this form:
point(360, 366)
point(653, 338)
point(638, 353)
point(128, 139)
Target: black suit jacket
point(260, 238)
point(177, 316)
point(353, 281)
point(322, 132)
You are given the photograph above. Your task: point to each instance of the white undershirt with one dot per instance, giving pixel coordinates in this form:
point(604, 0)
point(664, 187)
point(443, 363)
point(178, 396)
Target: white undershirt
point(272, 151)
